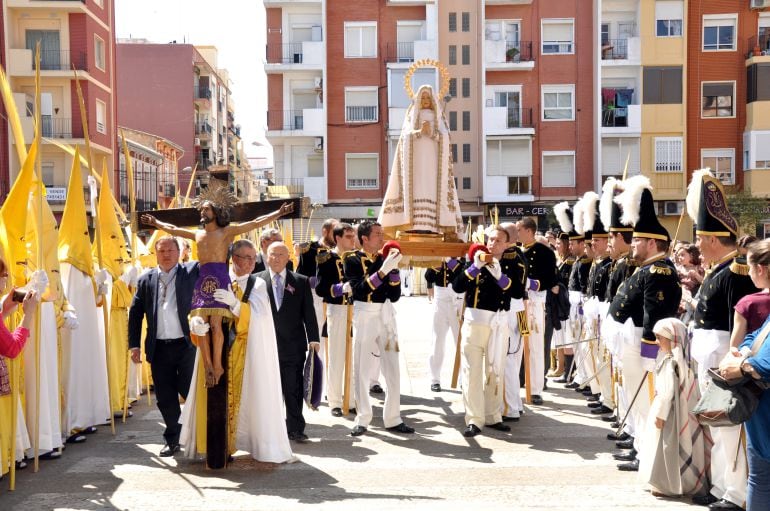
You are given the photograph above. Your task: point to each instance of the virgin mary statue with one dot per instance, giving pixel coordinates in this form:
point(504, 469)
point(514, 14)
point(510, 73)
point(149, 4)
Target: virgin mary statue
point(421, 196)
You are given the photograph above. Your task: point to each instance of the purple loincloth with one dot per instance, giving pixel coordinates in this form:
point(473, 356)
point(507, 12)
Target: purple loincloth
point(211, 276)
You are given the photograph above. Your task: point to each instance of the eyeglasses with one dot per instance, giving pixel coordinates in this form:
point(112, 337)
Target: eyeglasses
point(247, 258)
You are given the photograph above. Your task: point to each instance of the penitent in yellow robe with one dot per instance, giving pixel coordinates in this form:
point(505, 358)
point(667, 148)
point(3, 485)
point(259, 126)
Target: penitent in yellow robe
point(236, 362)
point(7, 446)
point(121, 300)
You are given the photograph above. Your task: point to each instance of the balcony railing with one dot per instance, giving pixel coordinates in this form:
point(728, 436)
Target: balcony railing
point(400, 52)
point(615, 49)
point(203, 128)
point(285, 187)
point(286, 120)
point(57, 127)
point(202, 92)
point(288, 53)
point(615, 117)
point(519, 118)
point(360, 114)
point(61, 60)
point(761, 44)
point(518, 51)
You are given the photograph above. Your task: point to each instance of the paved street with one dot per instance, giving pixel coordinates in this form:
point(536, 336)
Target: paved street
point(555, 458)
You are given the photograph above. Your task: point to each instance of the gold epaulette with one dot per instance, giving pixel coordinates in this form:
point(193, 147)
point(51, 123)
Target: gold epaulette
point(660, 270)
point(304, 248)
point(739, 269)
point(586, 259)
point(349, 253)
point(510, 255)
point(569, 260)
point(322, 257)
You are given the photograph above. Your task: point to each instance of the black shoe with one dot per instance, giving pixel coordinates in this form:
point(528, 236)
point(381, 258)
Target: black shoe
point(611, 418)
point(298, 437)
point(594, 404)
point(587, 392)
point(625, 444)
point(436, 387)
point(336, 412)
point(704, 499)
point(401, 428)
point(602, 409)
point(625, 456)
point(352, 411)
point(21, 465)
point(499, 426)
point(615, 437)
point(615, 425)
point(471, 431)
point(631, 466)
point(593, 398)
point(563, 379)
point(77, 438)
point(376, 389)
point(507, 418)
point(545, 383)
point(50, 455)
point(571, 385)
point(537, 400)
point(169, 450)
point(358, 431)
point(724, 505)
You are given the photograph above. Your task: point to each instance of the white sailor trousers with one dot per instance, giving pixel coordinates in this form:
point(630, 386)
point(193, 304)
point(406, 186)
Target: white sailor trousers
point(446, 311)
point(336, 325)
point(482, 392)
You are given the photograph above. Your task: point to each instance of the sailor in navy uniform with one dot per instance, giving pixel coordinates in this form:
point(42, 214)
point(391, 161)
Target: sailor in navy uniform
point(447, 307)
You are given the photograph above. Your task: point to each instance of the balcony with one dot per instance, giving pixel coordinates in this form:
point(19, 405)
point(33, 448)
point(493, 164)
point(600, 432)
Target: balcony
point(298, 55)
point(509, 55)
point(305, 122)
point(758, 49)
point(355, 114)
point(621, 52)
point(285, 188)
point(406, 52)
point(52, 127)
point(203, 129)
point(501, 120)
point(22, 62)
point(202, 92)
point(619, 113)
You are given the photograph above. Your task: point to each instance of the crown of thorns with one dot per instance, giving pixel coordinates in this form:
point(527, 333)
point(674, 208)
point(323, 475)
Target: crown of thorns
point(219, 195)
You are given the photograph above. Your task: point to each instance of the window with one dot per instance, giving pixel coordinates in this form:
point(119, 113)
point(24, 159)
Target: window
point(453, 148)
point(361, 39)
point(758, 82)
point(453, 122)
point(453, 87)
point(719, 33)
point(558, 104)
point(557, 36)
point(503, 30)
point(466, 153)
point(362, 171)
point(466, 55)
point(512, 158)
point(615, 152)
point(99, 52)
point(466, 22)
point(398, 97)
point(762, 164)
point(48, 171)
point(558, 169)
point(668, 18)
point(466, 183)
point(452, 55)
point(315, 166)
point(361, 104)
point(101, 117)
point(466, 87)
point(466, 121)
point(717, 99)
point(668, 154)
point(720, 161)
point(662, 85)
point(453, 22)
point(605, 34)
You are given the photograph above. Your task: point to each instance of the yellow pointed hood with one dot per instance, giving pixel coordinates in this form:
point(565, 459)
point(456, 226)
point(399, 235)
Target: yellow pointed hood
point(74, 241)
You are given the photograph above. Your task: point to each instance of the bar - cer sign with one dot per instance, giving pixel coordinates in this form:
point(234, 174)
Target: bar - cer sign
point(524, 210)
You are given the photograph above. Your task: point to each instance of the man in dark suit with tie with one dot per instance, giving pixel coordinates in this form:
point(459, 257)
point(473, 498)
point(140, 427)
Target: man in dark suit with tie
point(164, 296)
point(267, 238)
point(296, 328)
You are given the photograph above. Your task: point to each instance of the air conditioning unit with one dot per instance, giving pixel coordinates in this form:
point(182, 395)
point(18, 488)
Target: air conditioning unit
point(318, 146)
point(673, 208)
point(318, 82)
point(760, 4)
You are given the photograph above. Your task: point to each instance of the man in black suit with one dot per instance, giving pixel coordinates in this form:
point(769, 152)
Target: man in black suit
point(291, 301)
point(164, 296)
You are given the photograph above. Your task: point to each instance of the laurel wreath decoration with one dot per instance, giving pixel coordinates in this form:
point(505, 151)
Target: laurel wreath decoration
point(427, 63)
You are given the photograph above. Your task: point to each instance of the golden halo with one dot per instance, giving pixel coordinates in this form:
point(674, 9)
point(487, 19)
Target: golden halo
point(427, 63)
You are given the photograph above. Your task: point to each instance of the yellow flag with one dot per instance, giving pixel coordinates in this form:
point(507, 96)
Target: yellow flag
point(114, 252)
point(74, 245)
point(13, 116)
point(49, 237)
point(13, 215)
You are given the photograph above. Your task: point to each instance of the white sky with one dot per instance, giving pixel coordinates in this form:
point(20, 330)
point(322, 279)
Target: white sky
point(235, 27)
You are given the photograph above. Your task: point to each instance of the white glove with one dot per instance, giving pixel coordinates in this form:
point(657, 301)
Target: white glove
point(102, 289)
point(347, 289)
point(198, 326)
point(648, 364)
point(494, 269)
point(129, 276)
point(100, 277)
point(391, 262)
point(92, 187)
point(477, 259)
point(38, 281)
point(226, 296)
point(70, 320)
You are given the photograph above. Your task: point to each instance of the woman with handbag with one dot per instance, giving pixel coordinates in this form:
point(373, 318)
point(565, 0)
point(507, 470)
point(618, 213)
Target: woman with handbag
point(752, 358)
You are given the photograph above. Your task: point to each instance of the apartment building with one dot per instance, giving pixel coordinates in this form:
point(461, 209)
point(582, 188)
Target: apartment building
point(178, 92)
point(75, 34)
